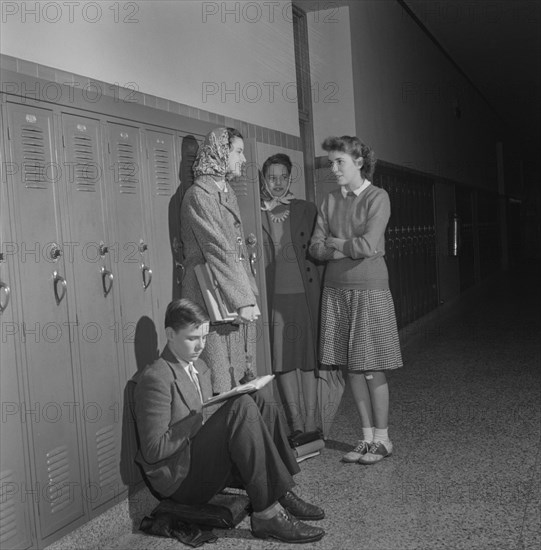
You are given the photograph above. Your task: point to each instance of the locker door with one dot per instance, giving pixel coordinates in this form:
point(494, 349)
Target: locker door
point(94, 279)
point(131, 250)
point(15, 513)
point(54, 409)
point(165, 202)
point(466, 256)
point(246, 188)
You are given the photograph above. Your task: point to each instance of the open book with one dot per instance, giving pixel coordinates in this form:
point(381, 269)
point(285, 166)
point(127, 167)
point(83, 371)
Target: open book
point(249, 387)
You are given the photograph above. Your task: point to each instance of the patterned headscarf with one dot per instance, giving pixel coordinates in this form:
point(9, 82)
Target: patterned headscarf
point(213, 155)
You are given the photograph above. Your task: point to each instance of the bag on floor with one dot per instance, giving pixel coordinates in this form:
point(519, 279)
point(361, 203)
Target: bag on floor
point(223, 511)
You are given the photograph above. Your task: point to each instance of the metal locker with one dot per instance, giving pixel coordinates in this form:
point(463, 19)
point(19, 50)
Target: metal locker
point(131, 251)
point(15, 504)
point(53, 411)
point(94, 277)
point(466, 258)
point(410, 243)
point(164, 198)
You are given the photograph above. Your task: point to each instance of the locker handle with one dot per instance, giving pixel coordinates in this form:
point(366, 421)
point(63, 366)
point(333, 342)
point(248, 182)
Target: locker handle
point(180, 267)
point(59, 279)
point(145, 269)
point(106, 275)
point(7, 292)
point(253, 263)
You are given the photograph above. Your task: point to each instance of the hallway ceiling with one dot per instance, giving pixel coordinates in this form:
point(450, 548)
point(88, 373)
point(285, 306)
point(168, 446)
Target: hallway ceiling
point(497, 45)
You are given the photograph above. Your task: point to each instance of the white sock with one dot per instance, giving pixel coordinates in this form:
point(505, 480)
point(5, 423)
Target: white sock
point(368, 434)
point(381, 434)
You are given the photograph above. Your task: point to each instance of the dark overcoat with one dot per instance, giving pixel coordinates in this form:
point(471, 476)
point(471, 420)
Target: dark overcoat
point(303, 215)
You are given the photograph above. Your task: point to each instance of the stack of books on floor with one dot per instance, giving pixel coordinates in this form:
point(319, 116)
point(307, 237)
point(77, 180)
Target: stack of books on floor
point(306, 444)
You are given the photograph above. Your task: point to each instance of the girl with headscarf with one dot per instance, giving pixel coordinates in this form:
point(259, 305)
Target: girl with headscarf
point(293, 289)
point(211, 230)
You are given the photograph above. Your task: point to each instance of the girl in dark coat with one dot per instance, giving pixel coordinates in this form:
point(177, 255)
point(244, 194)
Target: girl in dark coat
point(293, 290)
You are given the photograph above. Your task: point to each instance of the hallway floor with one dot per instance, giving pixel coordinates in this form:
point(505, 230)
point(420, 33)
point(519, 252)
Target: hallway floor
point(465, 424)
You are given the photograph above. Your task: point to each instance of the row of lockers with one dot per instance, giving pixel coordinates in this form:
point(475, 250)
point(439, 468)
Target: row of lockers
point(90, 251)
point(90, 245)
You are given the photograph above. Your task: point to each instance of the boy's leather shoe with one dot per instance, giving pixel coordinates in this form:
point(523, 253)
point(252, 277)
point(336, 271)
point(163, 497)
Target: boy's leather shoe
point(285, 528)
point(301, 509)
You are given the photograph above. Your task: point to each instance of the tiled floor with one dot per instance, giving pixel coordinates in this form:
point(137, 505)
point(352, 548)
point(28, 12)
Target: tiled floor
point(465, 423)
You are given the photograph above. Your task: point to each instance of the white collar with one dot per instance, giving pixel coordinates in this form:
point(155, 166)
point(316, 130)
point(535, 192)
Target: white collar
point(185, 365)
point(222, 185)
point(357, 192)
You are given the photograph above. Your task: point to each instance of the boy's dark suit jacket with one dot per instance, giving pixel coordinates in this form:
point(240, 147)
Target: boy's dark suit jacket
point(168, 414)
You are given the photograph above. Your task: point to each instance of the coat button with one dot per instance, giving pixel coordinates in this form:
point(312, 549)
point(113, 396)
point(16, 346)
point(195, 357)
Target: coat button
point(310, 280)
point(302, 233)
point(307, 269)
point(304, 246)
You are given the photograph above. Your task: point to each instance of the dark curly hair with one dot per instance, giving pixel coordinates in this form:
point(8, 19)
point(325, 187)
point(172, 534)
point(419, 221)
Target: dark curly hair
point(233, 133)
point(356, 149)
point(279, 158)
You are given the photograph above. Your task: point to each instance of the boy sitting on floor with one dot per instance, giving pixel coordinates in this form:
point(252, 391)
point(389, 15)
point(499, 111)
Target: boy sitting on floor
point(190, 460)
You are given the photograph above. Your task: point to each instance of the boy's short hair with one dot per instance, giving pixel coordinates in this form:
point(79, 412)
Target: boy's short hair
point(183, 313)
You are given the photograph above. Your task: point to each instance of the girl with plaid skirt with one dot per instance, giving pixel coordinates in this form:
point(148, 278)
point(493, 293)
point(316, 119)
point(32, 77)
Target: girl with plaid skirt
point(358, 323)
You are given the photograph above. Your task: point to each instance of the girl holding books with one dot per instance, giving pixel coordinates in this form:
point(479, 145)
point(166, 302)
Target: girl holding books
point(211, 231)
point(358, 324)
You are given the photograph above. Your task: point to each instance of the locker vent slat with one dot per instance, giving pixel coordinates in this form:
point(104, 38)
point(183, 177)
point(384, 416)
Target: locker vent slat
point(127, 169)
point(58, 492)
point(106, 449)
point(8, 515)
point(162, 163)
point(86, 170)
point(35, 172)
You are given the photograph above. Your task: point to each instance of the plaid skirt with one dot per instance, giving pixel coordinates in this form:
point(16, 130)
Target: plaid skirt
point(358, 329)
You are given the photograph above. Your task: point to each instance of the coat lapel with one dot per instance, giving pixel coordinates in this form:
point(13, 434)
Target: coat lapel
point(183, 382)
point(227, 200)
point(296, 215)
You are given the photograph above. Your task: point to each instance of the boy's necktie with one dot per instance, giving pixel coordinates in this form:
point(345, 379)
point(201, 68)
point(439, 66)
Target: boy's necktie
point(195, 380)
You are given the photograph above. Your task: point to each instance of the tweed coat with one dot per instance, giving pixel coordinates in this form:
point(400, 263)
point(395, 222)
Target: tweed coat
point(211, 231)
point(303, 215)
point(168, 414)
